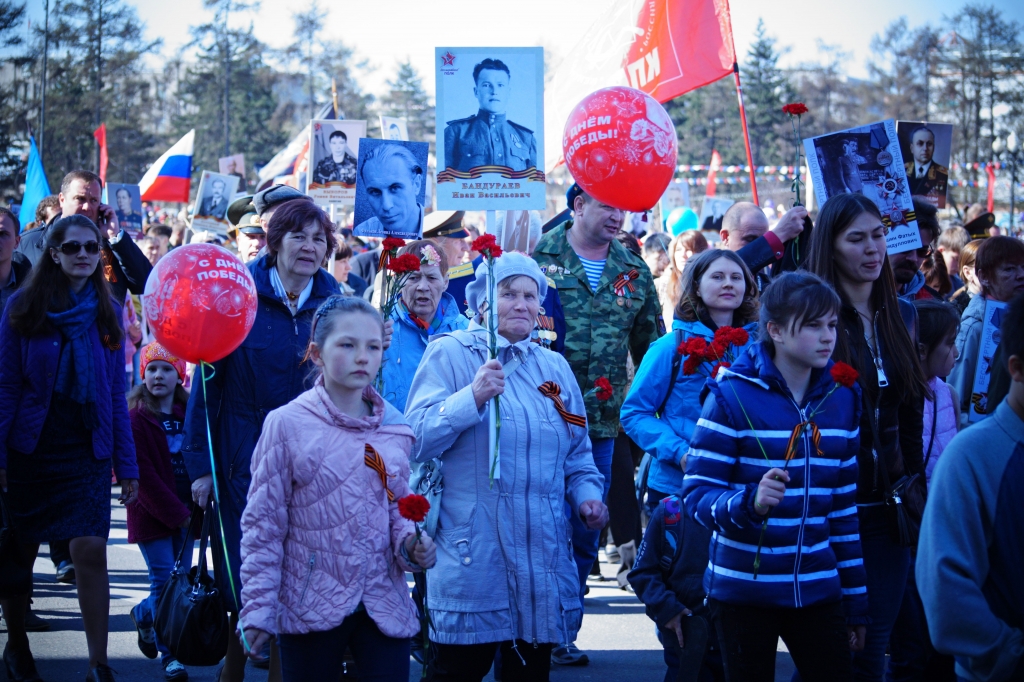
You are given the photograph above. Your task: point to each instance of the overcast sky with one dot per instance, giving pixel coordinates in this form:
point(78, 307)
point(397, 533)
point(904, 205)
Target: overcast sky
point(387, 31)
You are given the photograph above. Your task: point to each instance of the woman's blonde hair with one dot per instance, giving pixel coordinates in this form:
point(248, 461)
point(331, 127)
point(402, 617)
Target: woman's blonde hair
point(695, 242)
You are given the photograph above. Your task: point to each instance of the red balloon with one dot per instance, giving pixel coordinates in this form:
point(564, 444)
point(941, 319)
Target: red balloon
point(200, 302)
point(620, 146)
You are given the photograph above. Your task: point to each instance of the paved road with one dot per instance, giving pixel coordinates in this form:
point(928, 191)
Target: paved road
point(616, 634)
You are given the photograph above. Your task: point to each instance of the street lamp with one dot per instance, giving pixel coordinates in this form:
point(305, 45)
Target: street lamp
point(1012, 153)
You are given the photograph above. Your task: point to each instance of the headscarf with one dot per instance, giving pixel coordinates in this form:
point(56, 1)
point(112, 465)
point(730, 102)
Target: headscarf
point(509, 264)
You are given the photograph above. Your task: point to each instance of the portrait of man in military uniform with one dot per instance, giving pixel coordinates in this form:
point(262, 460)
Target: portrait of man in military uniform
point(488, 138)
point(926, 176)
point(340, 166)
point(129, 218)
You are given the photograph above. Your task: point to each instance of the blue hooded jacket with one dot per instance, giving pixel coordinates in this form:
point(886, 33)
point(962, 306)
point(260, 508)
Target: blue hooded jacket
point(666, 439)
point(811, 552)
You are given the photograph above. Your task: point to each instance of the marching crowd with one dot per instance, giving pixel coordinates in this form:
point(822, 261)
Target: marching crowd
point(791, 457)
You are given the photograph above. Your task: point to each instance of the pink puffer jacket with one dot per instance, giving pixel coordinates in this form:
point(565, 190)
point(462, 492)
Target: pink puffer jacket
point(318, 533)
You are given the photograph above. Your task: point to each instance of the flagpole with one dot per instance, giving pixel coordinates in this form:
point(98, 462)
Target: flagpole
point(746, 133)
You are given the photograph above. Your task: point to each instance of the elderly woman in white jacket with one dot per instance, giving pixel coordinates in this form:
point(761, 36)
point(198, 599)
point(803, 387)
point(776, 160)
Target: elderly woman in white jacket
point(505, 575)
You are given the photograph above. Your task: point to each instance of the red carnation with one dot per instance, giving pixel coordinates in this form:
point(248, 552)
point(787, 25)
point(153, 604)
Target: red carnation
point(487, 244)
point(692, 364)
point(717, 349)
point(392, 244)
point(720, 365)
point(604, 388)
point(413, 507)
point(405, 263)
point(844, 375)
point(696, 346)
point(795, 109)
point(739, 337)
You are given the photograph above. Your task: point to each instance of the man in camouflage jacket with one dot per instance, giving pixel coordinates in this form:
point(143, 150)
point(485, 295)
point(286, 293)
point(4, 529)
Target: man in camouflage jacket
point(621, 315)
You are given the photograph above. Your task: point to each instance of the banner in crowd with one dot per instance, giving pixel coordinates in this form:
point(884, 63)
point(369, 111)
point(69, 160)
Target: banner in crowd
point(393, 128)
point(926, 149)
point(867, 161)
point(234, 165)
point(127, 203)
point(216, 191)
point(490, 107)
point(333, 150)
point(995, 312)
point(663, 47)
point(390, 189)
point(676, 195)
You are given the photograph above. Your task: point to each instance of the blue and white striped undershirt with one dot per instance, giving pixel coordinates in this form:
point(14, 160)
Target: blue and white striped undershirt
point(593, 268)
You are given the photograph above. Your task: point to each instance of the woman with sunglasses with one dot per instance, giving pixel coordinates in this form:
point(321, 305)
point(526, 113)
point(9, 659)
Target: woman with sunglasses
point(63, 418)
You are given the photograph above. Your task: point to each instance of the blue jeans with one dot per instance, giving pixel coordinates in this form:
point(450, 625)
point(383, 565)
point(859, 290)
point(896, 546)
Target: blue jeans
point(584, 540)
point(159, 555)
point(319, 655)
point(887, 565)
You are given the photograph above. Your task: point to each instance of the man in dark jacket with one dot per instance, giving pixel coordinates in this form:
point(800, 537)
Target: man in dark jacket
point(745, 231)
point(14, 267)
point(668, 577)
point(80, 195)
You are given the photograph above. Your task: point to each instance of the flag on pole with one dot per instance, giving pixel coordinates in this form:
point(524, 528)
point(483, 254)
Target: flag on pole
point(292, 158)
point(716, 163)
point(170, 178)
point(36, 186)
point(101, 139)
point(663, 47)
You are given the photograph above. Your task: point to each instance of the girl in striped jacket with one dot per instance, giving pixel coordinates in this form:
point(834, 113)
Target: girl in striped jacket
point(772, 472)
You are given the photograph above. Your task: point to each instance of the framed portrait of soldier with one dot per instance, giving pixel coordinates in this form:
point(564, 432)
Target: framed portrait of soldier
point(126, 200)
point(490, 116)
point(216, 191)
point(395, 129)
point(711, 213)
point(866, 160)
point(234, 165)
point(333, 153)
point(926, 149)
point(390, 189)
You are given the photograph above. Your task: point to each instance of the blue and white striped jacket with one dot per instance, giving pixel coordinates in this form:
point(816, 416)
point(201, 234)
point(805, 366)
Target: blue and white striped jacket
point(811, 552)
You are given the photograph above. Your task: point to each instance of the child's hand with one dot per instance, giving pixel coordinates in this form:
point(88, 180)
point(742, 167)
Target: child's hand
point(423, 552)
point(676, 625)
point(255, 638)
point(594, 514)
point(856, 634)
point(770, 490)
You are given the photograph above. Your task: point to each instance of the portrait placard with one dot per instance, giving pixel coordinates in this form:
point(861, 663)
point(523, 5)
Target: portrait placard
point(711, 212)
point(926, 149)
point(212, 198)
point(676, 195)
point(126, 200)
point(995, 312)
point(333, 151)
point(867, 161)
point(392, 128)
point(490, 116)
point(234, 165)
point(390, 189)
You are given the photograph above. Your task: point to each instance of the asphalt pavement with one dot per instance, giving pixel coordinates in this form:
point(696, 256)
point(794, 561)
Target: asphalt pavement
point(616, 635)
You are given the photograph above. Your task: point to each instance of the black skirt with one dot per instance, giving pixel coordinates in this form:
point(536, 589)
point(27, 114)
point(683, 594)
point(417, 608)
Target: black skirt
point(60, 491)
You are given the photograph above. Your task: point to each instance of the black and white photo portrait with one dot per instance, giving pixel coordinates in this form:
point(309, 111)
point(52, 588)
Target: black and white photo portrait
point(390, 189)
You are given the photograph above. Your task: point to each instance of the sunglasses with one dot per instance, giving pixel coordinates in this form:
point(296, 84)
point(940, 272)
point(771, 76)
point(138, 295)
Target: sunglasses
point(924, 252)
point(72, 248)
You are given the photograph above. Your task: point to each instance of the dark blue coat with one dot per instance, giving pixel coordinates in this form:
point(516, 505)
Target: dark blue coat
point(261, 375)
point(28, 370)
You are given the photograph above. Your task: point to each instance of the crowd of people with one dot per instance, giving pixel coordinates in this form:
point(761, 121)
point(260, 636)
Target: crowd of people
point(774, 445)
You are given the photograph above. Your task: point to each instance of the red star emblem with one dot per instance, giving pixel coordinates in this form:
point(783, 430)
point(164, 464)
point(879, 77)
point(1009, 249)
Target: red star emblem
point(448, 59)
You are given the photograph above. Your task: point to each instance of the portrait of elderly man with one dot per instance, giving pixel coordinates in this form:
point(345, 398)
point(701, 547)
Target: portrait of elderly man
point(488, 138)
point(924, 176)
point(340, 166)
point(128, 219)
point(393, 180)
point(214, 203)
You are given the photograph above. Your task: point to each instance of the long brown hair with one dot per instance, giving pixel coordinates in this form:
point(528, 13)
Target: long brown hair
point(692, 240)
point(835, 217)
point(691, 307)
point(48, 289)
point(140, 396)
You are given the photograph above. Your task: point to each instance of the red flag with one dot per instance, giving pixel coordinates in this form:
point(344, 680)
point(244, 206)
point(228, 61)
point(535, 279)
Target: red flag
point(716, 163)
point(101, 139)
point(990, 171)
point(680, 45)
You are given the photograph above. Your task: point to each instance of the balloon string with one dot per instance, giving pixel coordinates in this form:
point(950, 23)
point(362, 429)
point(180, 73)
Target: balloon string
point(216, 499)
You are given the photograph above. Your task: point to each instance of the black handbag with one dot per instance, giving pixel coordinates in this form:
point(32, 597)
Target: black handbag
point(904, 499)
point(191, 617)
point(15, 567)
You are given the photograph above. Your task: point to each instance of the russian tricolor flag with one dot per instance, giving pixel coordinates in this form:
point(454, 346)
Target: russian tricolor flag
point(170, 178)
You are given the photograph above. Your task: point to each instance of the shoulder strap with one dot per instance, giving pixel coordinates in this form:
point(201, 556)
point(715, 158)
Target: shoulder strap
point(935, 427)
point(677, 360)
point(670, 540)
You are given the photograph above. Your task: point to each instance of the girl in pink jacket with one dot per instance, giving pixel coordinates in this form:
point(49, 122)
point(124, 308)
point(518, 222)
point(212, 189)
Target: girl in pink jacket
point(324, 548)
